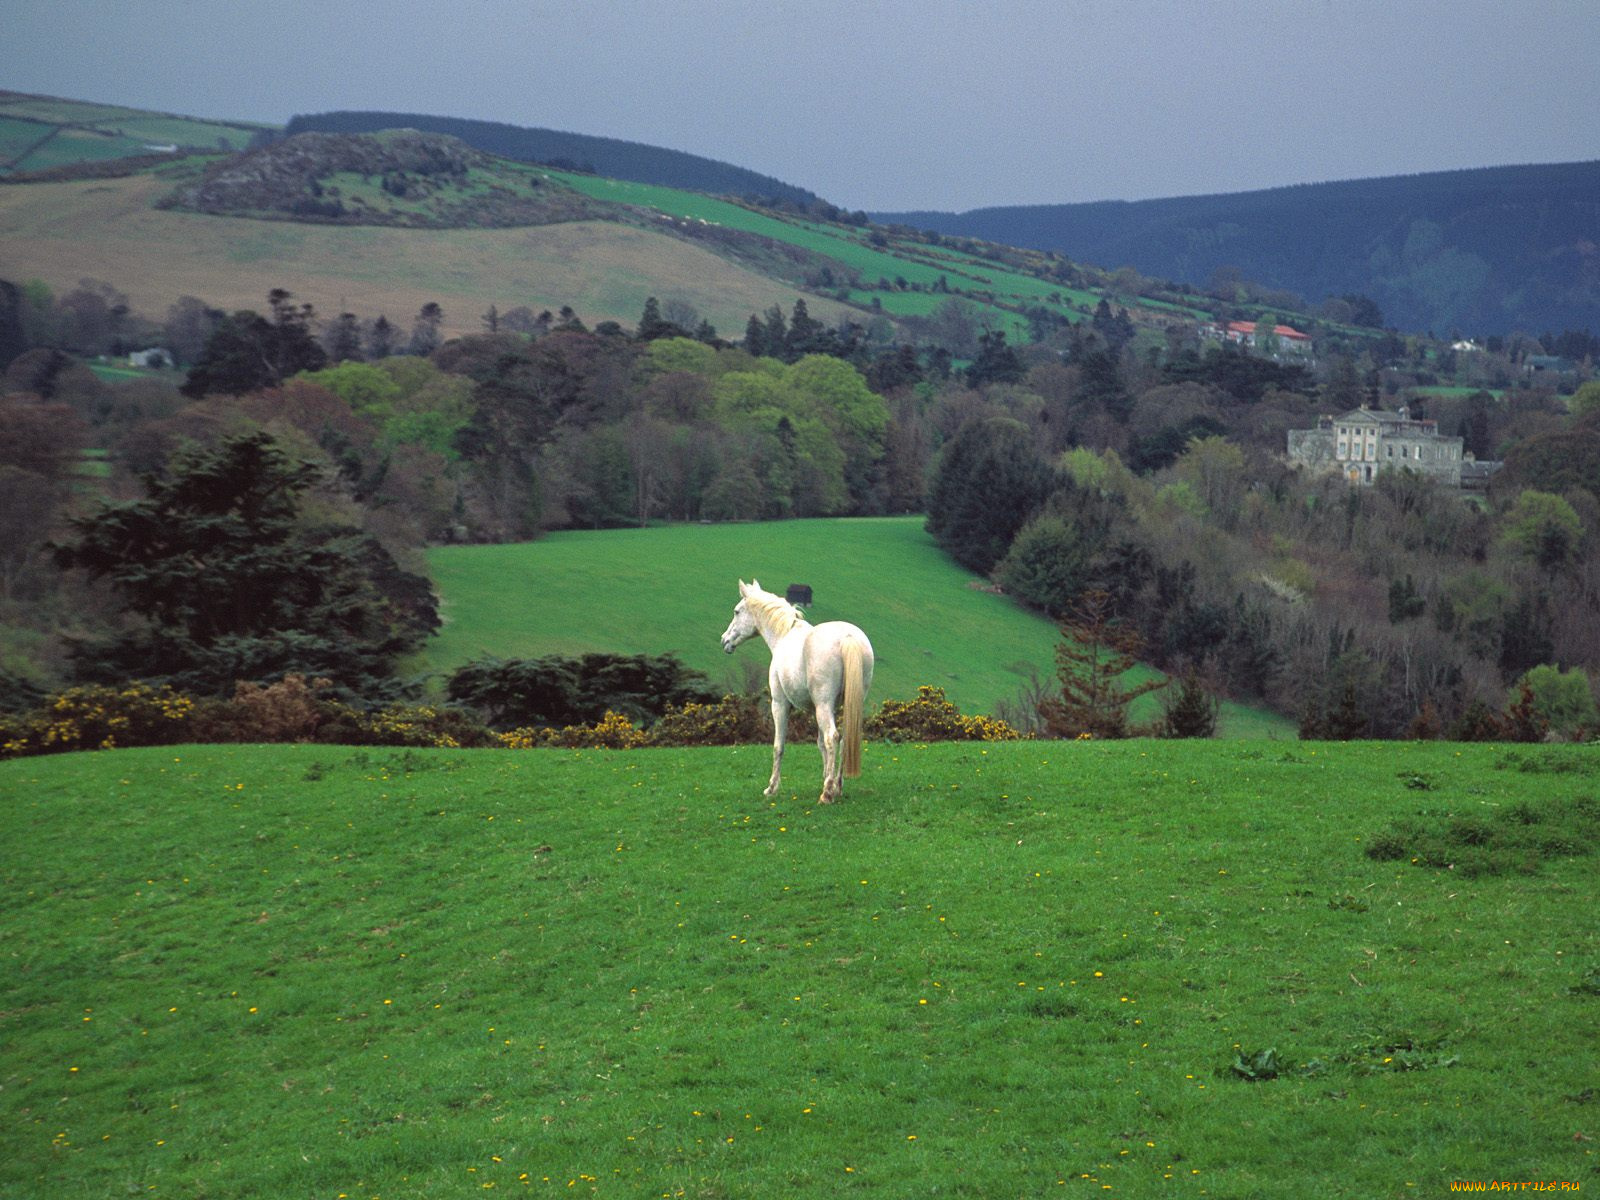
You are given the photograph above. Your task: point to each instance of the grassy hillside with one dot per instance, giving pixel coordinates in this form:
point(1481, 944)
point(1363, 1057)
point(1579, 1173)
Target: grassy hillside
point(607, 156)
point(737, 260)
point(1004, 971)
point(110, 229)
point(672, 589)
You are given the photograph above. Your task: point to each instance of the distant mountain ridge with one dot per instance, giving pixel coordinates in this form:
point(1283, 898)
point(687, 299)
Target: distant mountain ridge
point(612, 157)
point(1491, 250)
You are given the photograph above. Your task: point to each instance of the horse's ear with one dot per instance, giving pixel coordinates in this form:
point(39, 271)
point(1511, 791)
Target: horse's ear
point(755, 585)
point(744, 588)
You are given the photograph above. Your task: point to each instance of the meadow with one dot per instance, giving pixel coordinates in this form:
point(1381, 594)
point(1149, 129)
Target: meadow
point(671, 589)
point(1138, 969)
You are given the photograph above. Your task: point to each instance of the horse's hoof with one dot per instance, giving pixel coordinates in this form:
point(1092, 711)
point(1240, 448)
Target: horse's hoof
point(825, 800)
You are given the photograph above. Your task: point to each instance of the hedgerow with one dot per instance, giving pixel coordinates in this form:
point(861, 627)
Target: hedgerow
point(295, 709)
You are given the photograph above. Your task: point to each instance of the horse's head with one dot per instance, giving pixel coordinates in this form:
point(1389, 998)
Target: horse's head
point(743, 626)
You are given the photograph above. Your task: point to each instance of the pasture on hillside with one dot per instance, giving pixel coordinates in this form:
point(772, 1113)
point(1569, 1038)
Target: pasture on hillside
point(110, 229)
point(671, 589)
point(1135, 968)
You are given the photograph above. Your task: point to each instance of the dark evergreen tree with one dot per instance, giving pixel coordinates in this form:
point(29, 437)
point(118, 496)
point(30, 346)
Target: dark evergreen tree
point(652, 325)
point(989, 480)
point(755, 336)
point(344, 339)
point(996, 362)
point(777, 333)
point(425, 330)
point(806, 335)
point(222, 582)
point(382, 338)
point(13, 333)
point(1192, 711)
point(247, 352)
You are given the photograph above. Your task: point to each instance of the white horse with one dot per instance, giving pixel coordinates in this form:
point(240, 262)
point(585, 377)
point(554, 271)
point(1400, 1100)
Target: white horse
point(810, 664)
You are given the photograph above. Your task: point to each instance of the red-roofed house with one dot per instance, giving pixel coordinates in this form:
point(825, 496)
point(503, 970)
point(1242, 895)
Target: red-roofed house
point(1244, 333)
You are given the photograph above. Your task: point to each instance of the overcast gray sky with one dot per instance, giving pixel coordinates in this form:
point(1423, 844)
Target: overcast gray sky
point(887, 104)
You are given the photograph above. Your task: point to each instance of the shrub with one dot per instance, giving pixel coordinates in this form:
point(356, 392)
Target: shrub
point(613, 732)
point(287, 711)
point(557, 691)
point(731, 721)
point(97, 717)
point(932, 718)
point(1192, 712)
point(1563, 699)
point(402, 725)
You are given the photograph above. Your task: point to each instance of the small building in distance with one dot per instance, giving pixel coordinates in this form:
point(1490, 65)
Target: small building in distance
point(1367, 440)
point(1287, 341)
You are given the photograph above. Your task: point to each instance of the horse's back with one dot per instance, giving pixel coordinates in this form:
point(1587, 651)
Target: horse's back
point(830, 638)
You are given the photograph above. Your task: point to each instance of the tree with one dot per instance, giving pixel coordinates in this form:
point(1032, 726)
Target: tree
point(247, 352)
point(382, 338)
point(344, 339)
point(1095, 651)
point(425, 330)
point(1544, 529)
point(223, 583)
point(806, 334)
point(652, 325)
point(1047, 566)
point(1562, 699)
point(996, 362)
point(989, 480)
point(1192, 711)
point(556, 691)
point(190, 324)
point(1214, 468)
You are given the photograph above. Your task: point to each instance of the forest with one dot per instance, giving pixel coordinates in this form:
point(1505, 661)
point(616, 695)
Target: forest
point(1151, 482)
point(1491, 250)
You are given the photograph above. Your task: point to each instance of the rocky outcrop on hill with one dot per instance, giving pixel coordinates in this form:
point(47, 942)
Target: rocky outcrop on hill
point(400, 177)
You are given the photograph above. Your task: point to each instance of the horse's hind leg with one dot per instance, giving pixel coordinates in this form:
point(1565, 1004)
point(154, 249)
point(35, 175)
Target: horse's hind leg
point(828, 743)
point(780, 730)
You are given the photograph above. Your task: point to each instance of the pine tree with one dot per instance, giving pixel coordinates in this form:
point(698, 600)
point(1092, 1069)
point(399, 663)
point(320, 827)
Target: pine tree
point(1192, 712)
point(1094, 652)
point(223, 583)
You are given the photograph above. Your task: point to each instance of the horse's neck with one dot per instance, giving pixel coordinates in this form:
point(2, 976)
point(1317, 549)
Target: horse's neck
point(770, 635)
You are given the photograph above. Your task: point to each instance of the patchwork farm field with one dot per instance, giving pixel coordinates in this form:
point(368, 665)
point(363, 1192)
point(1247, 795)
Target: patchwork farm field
point(671, 589)
point(1138, 969)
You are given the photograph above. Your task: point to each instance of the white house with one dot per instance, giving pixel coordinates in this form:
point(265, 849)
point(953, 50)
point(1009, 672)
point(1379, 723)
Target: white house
point(1366, 441)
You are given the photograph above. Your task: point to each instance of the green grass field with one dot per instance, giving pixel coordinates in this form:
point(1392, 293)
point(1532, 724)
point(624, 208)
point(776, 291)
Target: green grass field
point(1013, 970)
point(672, 589)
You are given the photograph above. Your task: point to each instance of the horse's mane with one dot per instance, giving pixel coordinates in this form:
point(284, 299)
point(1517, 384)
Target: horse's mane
point(773, 612)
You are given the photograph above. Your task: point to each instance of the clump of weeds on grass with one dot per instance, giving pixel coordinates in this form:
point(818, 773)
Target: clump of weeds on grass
point(1519, 838)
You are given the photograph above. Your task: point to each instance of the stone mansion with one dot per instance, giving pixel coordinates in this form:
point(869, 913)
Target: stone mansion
point(1361, 443)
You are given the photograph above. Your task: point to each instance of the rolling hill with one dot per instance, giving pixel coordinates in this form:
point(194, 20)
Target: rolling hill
point(611, 157)
point(322, 216)
point(1482, 251)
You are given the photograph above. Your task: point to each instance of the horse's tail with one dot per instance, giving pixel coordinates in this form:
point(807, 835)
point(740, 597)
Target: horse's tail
point(855, 694)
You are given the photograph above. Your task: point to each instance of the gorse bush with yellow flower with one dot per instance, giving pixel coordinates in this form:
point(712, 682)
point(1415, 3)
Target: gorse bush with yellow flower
point(295, 709)
point(96, 717)
point(933, 718)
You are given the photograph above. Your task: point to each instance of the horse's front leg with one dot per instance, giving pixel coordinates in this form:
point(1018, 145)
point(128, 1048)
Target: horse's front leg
point(828, 743)
point(780, 729)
